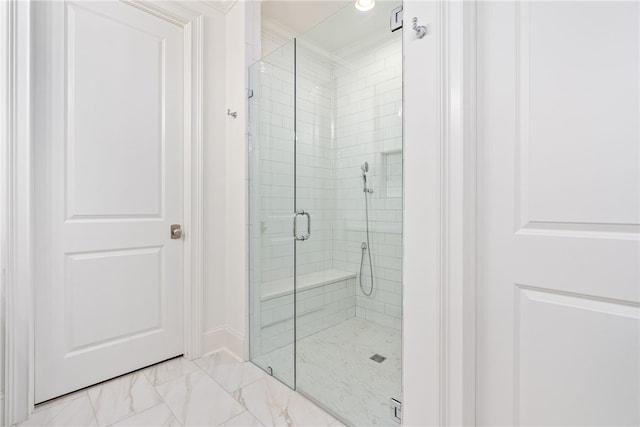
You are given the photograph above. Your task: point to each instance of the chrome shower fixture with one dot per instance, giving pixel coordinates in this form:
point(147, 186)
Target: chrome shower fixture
point(365, 168)
point(366, 246)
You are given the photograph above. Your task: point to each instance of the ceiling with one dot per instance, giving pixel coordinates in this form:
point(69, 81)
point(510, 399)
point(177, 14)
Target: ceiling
point(300, 18)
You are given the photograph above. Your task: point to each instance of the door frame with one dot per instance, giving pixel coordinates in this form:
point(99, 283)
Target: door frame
point(439, 259)
point(17, 192)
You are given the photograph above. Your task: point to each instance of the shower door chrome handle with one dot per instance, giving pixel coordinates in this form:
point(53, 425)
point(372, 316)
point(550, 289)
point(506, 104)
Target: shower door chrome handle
point(295, 226)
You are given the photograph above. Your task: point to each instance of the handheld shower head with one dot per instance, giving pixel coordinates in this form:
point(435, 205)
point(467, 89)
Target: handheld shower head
point(365, 168)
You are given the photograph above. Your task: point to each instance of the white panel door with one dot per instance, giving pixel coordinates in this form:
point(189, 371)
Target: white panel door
point(559, 212)
point(109, 184)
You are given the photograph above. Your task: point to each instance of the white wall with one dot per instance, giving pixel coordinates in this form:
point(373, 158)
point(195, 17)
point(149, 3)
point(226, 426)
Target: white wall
point(242, 30)
point(215, 123)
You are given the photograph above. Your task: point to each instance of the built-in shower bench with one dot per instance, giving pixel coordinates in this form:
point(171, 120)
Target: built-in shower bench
point(323, 299)
point(282, 287)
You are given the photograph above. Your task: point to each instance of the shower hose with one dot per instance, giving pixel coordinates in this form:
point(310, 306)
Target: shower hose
point(366, 247)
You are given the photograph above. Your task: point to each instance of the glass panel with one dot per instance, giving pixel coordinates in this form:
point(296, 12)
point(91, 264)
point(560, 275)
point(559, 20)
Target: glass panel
point(349, 180)
point(271, 206)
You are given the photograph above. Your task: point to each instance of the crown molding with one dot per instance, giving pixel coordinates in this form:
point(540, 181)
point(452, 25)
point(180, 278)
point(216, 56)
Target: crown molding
point(277, 30)
point(223, 6)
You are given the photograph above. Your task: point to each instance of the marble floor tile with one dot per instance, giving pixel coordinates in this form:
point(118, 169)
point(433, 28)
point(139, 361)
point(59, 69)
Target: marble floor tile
point(122, 397)
point(158, 416)
point(228, 371)
point(334, 369)
point(274, 404)
point(169, 370)
point(72, 413)
point(197, 400)
point(245, 419)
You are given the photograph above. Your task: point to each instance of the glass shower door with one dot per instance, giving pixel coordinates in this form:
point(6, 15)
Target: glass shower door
point(349, 181)
point(325, 189)
point(271, 207)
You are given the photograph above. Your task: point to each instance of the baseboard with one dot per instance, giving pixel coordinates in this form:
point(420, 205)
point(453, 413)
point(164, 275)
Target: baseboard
point(224, 338)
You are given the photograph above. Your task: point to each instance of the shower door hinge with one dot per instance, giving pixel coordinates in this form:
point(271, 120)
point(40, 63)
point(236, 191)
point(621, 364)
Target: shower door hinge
point(249, 93)
point(397, 18)
point(396, 410)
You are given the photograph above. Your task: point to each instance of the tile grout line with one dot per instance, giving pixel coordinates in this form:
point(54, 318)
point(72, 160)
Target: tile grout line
point(215, 381)
point(155, 387)
point(231, 394)
point(225, 390)
point(95, 416)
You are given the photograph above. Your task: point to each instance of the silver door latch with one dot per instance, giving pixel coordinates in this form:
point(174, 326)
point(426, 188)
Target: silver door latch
point(176, 231)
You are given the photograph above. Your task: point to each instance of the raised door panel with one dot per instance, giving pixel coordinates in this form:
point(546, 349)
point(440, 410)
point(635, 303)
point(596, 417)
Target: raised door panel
point(136, 273)
point(574, 357)
point(578, 115)
point(115, 117)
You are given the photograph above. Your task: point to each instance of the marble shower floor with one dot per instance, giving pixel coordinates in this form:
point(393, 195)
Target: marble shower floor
point(335, 370)
point(217, 390)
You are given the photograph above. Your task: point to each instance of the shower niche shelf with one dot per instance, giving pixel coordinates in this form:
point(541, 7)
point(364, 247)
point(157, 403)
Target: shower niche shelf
point(391, 173)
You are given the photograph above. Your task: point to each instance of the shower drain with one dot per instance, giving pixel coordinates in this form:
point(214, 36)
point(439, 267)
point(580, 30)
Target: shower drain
point(378, 358)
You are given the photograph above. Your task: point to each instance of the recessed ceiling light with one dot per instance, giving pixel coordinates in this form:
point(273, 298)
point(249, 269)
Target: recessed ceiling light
point(365, 5)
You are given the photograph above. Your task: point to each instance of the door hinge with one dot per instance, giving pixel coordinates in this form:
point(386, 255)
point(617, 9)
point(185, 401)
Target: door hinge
point(396, 410)
point(397, 18)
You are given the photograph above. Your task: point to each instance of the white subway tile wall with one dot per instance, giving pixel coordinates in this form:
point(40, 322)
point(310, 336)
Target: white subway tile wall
point(368, 127)
point(347, 111)
point(271, 184)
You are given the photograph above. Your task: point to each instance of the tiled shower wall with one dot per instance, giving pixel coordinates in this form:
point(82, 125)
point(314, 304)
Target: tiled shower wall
point(315, 164)
point(348, 112)
point(272, 190)
point(315, 183)
point(272, 158)
point(368, 127)
point(270, 182)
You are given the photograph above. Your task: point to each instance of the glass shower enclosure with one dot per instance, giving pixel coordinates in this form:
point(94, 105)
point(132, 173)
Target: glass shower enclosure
point(325, 217)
